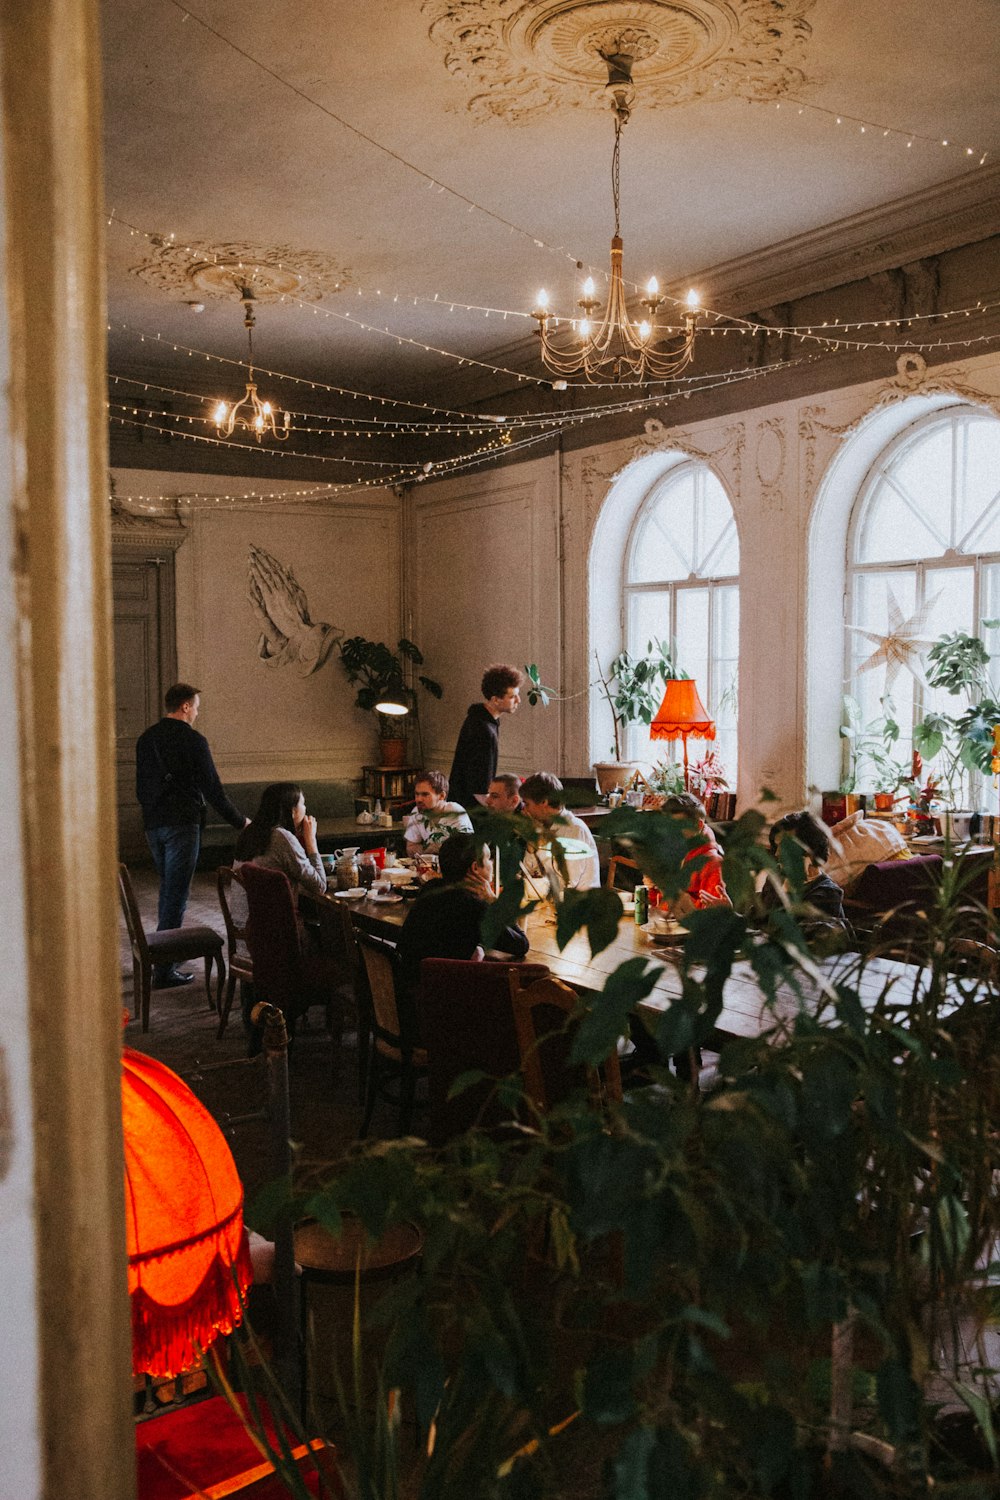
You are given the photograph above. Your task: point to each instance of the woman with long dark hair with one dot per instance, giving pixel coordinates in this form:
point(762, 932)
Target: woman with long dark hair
point(281, 835)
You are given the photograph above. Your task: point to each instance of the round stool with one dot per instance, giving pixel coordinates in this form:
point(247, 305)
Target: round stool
point(327, 1259)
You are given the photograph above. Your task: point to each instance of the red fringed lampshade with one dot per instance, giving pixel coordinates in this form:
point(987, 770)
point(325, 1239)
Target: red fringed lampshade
point(682, 714)
point(188, 1260)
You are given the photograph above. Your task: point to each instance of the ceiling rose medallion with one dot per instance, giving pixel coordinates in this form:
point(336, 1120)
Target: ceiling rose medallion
point(522, 58)
point(216, 271)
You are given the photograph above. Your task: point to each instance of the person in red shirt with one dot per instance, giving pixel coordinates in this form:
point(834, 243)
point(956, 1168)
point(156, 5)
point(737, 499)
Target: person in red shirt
point(706, 886)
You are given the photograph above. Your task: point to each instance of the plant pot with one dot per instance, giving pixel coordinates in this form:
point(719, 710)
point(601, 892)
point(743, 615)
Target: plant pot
point(884, 801)
point(614, 773)
point(392, 752)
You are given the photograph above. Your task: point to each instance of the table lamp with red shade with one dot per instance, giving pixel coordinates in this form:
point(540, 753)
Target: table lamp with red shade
point(681, 716)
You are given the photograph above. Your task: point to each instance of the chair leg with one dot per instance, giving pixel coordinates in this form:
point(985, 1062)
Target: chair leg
point(145, 985)
point(407, 1086)
point(370, 1095)
point(136, 987)
point(220, 980)
point(208, 983)
point(227, 1004)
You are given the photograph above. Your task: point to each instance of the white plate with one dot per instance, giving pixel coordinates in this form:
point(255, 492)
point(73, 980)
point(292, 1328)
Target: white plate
point(354, 894)
point(387, 900)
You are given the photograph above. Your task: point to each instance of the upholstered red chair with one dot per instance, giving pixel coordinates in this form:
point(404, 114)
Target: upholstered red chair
point(283, 974)
point(467, 1024)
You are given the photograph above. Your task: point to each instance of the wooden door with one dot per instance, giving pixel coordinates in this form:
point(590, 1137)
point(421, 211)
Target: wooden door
point(145, 666)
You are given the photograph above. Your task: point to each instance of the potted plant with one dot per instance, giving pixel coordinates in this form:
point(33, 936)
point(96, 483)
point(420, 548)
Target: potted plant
point(872, 764)
point(379, 674)
point(632, 688)
point(963, 741)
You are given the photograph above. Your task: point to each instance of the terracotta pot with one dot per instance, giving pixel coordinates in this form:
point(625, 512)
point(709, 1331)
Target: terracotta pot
point(614, 773)
point(884, 801)
point(392, 752)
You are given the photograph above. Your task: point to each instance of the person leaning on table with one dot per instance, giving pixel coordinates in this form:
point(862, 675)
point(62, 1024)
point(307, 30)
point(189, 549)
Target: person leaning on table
point(445, 921)
point(281, 835)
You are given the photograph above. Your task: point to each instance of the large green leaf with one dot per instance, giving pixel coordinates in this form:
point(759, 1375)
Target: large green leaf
point(607, 1018)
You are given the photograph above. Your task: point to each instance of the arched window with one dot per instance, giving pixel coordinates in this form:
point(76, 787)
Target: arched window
point(925, 531)
point(681, 584)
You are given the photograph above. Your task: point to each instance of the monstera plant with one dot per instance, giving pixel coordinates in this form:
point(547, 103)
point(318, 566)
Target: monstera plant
point(962, 741)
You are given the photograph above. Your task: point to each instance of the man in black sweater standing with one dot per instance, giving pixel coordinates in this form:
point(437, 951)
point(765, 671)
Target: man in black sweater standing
point(478, 748)
point(175, 777)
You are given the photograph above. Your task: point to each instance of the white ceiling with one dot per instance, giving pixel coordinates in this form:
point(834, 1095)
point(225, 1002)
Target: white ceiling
point(208, 145)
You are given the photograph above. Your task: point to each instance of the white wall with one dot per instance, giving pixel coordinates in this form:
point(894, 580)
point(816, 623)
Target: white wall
point(262, 721)
point(483, 573)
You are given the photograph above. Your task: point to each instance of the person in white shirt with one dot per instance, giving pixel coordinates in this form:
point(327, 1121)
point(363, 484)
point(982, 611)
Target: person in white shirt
point(434, 818)
point(545, 803)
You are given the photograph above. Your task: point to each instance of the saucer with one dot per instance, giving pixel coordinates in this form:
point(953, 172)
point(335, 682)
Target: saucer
point(354, 894)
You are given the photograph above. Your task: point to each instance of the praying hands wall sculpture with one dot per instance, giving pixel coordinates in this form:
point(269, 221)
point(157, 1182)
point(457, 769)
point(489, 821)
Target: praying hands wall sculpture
point(287, 634)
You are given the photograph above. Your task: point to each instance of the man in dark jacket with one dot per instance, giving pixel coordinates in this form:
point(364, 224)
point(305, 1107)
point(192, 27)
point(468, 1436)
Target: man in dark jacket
point(175, 777)
point(478, 748)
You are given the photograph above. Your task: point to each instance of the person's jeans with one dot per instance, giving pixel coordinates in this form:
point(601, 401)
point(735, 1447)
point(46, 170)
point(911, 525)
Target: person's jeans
point(175, 855)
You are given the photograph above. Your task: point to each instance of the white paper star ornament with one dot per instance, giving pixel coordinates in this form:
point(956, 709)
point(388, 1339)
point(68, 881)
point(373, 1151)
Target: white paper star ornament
point(903, 644)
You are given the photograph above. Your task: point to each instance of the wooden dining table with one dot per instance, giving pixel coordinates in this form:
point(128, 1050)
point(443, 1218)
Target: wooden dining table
point(746, 1011)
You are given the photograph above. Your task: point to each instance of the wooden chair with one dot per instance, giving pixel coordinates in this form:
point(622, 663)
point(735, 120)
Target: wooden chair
point(542, 1017)
point(283, 974)
point(234, 914)
point(175, 945)
point(467, 1025)
point(616, 864)
point(392, 1050)
point(337, 929)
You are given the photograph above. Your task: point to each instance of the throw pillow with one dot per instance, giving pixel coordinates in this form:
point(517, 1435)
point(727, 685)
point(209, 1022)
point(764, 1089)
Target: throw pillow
point(858, 842)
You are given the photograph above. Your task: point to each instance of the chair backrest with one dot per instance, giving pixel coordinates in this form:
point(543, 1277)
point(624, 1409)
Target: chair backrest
point(235, 911)
point(467, 1024)
point(615, 880)
point(542, 1018)
point(272, 934)
point(379, 961)
point(133, 921)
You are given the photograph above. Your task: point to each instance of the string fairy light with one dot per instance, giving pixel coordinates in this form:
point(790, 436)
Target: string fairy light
point(831, 334)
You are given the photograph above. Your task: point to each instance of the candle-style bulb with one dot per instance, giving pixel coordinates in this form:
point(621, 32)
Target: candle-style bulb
point(652, 286)
point(645, 329)
point(220, 414)
point(693, 300)
point(588, 287)
point(585, 328)
point(542, 300)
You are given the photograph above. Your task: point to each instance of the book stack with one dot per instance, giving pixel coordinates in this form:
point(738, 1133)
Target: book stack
point(721, 806)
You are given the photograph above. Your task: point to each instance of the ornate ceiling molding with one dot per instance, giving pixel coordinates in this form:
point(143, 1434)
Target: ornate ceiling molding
point(525, 58)
point(201, 270)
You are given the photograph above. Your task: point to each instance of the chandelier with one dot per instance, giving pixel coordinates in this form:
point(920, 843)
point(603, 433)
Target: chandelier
point(250, 411)
point(617, 348)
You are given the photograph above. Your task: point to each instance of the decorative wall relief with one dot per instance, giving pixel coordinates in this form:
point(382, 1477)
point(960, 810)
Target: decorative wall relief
point(770, 464)
point(912, 378)
point(726, 456)
point(288, 635)
point(524, 58)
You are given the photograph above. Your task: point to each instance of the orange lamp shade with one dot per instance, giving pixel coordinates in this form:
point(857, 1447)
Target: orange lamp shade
point(682, 713)
point(188, 1258)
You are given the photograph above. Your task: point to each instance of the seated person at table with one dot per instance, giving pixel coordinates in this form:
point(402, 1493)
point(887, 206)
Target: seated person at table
point(820, 892)
point(504, 795)
point(545, 803)
point(433, 818)
point(282, 836)
point(706, 886)
point(446, 918)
